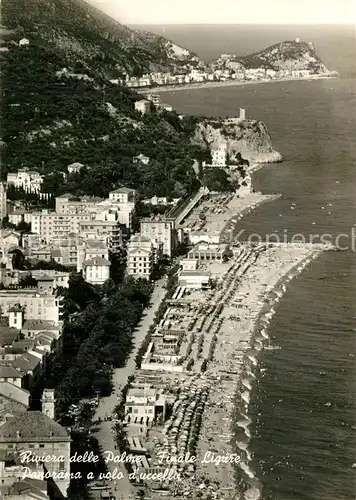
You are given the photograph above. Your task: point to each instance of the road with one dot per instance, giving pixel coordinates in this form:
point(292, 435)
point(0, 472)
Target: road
point(125, 490)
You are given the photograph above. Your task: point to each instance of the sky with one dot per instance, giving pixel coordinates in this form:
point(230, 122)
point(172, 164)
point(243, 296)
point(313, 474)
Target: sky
point(229, 11)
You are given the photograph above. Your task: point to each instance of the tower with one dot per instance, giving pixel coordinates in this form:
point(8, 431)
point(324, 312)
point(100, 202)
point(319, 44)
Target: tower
point(16, 317)
point(242, 114)
point(48, 403)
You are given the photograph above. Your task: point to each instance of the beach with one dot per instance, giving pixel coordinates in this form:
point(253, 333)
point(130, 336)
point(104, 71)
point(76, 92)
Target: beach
point(229, 83)
point(255, 283)
point(223, 211)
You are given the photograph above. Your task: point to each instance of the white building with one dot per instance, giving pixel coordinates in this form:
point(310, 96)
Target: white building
point(188, 264)
point(74, 168)
point(143, 106)
point(166, 107)
point(23, 42)
point(50, 225)
point(141, 158)
point(142, 404)
point(140, 257)
point(155, 99)
point(96, 270)
point(161, 230)
point(123, 195)
point(29, 180)
point(194, 279)
point(89, 249)
point(108, 231)
point(219, 156)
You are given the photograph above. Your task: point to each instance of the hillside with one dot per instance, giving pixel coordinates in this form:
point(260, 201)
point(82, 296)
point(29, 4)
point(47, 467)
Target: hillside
point(79, 30)
point(50, 120)
point(289, 55)
point(59, 107)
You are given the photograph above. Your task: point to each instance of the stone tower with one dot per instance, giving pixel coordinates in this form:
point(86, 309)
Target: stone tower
point(48, 402)
point(242, 114)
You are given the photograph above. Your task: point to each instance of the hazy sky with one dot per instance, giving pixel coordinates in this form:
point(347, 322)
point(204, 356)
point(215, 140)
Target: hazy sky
point(229, 11)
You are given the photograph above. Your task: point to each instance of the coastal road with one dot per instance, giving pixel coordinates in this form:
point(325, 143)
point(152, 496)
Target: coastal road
point(125, 490)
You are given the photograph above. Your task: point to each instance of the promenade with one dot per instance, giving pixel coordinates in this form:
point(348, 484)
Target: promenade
point(124, 489)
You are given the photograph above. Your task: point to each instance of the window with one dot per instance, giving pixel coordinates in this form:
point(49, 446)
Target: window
point(62, 466)
point(41, 446)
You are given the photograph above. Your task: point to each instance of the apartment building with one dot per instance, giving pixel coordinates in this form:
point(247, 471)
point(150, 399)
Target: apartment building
point(140, 257)
point(162, 230)
point(90, 249)
point(35, 304)
point(110, 231)
point(70, 204)
point(50, 225)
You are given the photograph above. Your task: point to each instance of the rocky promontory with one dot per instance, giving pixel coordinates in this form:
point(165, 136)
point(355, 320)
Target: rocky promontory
point(250, 138)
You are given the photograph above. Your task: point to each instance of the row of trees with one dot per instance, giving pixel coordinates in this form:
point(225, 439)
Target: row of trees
point(96, 337)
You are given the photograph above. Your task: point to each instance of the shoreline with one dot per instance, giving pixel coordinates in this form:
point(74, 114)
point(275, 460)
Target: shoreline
point(231, 373)
point(229, 83)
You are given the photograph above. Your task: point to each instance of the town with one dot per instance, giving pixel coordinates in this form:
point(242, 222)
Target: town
point(159, 407)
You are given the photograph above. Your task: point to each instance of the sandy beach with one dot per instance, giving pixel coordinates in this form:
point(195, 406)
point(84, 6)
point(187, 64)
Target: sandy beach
point(256, 281)
point(229, 83)
point(224, 211)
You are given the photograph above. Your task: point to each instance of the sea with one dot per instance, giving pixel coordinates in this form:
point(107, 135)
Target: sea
point(303, 401)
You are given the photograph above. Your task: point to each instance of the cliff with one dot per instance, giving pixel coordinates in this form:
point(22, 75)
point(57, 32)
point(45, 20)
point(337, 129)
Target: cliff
point(250, 138)
point(285, 56)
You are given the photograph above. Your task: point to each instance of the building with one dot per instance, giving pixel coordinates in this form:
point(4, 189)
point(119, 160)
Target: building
point(123, 195)
point(3, 201)
point(194, 279)
point(242, 114)
point(188, 264)
point(209, 251)
point(96, 270)
point(143, 404)
point(143, 106)
point(36, 434)
point(23, 42)
point(29, 180)
point(30, 303)
point(70, 204)
point(51, 225)
point(20, 215)
point(166, 107)
point(162, 230)
point(59, 278)
point(109, 231)
point(89, 249)
point(141, 159)
point(195, 237)
point(74, 168)
point(219, 156)
point(155, 99)
point(140, 257)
